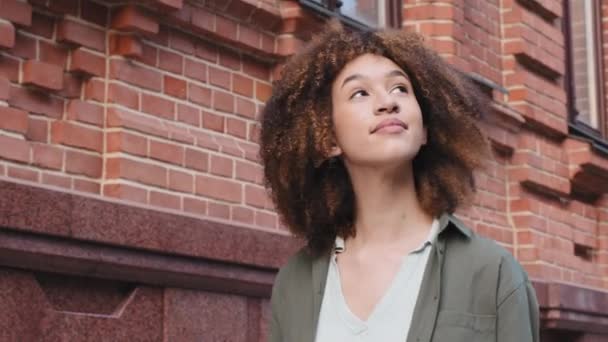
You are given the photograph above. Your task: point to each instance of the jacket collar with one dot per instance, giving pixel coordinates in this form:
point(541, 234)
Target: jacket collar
point(450, 222)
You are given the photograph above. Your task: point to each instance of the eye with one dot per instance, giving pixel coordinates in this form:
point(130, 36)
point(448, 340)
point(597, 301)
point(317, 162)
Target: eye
point(359, 93)
point(401, 89)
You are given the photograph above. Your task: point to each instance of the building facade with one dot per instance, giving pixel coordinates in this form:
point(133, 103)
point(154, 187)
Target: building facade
point(131, 199)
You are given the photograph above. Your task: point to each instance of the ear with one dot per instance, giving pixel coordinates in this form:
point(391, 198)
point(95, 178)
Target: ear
point(335, 151)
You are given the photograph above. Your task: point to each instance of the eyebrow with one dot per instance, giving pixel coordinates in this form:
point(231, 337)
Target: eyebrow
point(393, 73)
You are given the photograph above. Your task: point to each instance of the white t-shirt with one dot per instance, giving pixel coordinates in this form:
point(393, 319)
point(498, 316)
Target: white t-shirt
point(391, 317)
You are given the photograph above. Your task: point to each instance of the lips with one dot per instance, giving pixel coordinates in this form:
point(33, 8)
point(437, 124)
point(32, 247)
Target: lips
point(388, 123)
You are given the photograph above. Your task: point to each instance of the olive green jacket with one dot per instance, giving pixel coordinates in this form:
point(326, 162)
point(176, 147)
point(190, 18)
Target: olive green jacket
point(472, 291)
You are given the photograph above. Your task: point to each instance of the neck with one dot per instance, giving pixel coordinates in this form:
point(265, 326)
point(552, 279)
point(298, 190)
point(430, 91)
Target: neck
point(388, 210)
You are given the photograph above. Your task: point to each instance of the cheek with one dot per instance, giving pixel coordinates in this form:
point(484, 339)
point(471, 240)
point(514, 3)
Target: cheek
point(349, 125)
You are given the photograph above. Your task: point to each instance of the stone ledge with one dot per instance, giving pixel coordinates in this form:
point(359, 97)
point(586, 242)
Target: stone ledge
point(569, 307)
point(68, 256)
point(99, 222)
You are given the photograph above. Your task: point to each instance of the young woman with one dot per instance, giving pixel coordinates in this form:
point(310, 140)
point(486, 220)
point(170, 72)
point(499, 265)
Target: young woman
point(369, 144)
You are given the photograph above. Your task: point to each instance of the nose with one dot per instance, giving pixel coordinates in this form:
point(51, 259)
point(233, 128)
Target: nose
point(387, 105)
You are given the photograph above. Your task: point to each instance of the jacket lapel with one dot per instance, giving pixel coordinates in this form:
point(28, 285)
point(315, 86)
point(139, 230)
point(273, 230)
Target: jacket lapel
point(320, 266)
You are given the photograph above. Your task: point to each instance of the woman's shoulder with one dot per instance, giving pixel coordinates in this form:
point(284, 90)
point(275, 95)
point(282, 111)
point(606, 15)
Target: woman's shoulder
point(297, 270)
point(483, 254)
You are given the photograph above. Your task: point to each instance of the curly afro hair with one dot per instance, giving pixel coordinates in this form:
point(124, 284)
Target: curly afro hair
point(312, 191)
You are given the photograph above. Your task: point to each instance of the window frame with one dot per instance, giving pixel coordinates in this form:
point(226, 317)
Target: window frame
point(331, 8)
point(599, 136)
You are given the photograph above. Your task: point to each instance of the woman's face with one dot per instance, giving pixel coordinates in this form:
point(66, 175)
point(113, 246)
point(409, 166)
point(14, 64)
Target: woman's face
point(377, 119)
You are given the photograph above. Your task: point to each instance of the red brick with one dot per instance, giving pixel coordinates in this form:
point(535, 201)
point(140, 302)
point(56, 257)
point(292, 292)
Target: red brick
point(7, 35)
point(43, 75)
point(203, 19)
point(63, 7)
point(245, 108)
point(86, 186)
point(149, 54)
point(9, 68)
point(262, 91)
point(181, 181)
point(225, 27)
point(42, 25)
point(181, 42)
point(141, 123)
point(83, 164)
point(256, 69)
point(23, 173)
point(136, 171)
point(189, 114)
point(14, 149)
point(72, 86)
point(248, 172)
point(95, 89)
point(199, 95)
point(218, 210)
point(158, 106)
point(72, 32)
point(249, 36)
point(127, 142)
point(241, 9)
point(56, 180)
point(165, 200)
point(16, 11)
point(86, 112)
point(197, 160)
point(69, 134)
point(13, 120)
point(36, 102)
point(221, 166)
point(214, 122)
point(5, 87)
point(219, 77)
point(120, 94)
point(195, 70)
point(53, 54)
point(126, 45)
point(217, 188)
point(265, 219)
point(136, 75)
point(170, 61)
point(241, 214)
point(134, 19)
point(242, 85)
point(175, 87)
point(37, 130)
point(46, 156)
point(268, 43)
point(25, 46)
point(230, 59)
point(254, 134)
point(223, 101)
point(126, 192)
point(257, 197)
point(195, 206)
point(94, 12)
point(170, 5)
point(237, 128)
point(165, 152)
point(206, 51)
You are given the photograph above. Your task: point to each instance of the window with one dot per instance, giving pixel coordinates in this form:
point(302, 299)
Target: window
point(584, 80)
point(360, 13)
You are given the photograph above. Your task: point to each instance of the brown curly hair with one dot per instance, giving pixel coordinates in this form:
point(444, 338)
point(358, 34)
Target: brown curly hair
point(312, 191)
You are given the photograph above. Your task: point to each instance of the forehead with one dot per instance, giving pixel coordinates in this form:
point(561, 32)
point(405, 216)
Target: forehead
point(368, 65)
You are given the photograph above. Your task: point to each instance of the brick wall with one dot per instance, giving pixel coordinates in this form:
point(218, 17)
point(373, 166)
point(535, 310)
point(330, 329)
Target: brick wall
point(161, 116)
point(153, 104)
